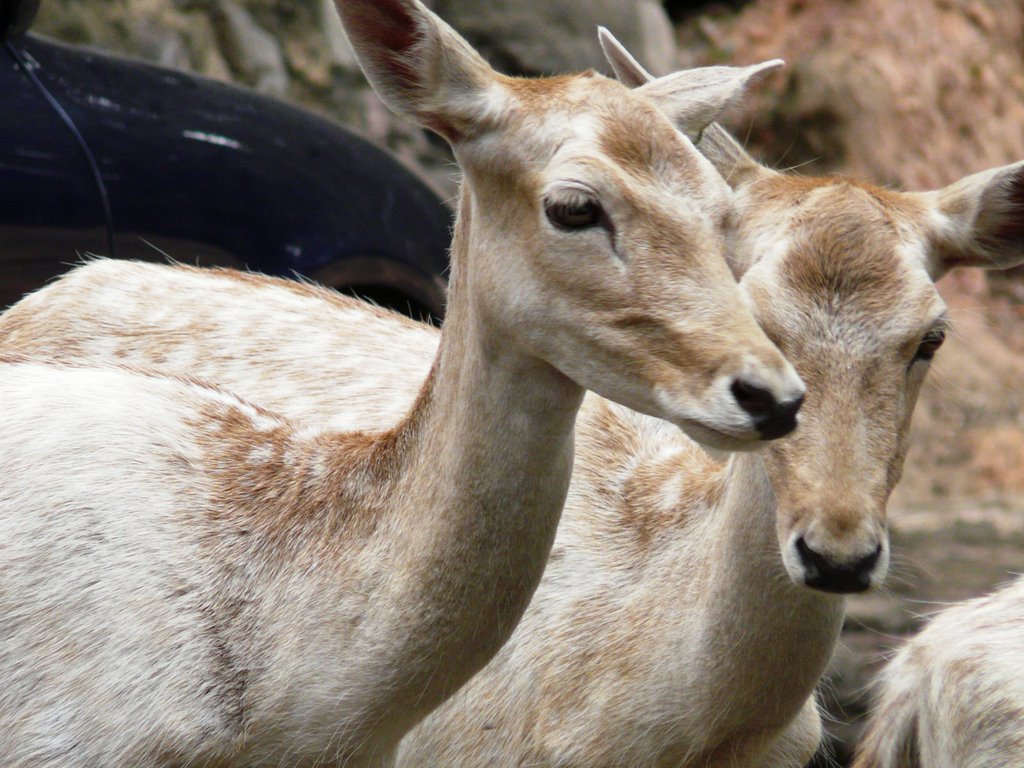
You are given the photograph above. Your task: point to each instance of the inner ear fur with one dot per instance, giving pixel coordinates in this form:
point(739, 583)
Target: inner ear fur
point(419, 66)
point(980, 221)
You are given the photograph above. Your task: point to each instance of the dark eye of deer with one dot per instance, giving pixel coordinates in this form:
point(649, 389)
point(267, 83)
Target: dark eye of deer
point(930, 345)
point(580, 214)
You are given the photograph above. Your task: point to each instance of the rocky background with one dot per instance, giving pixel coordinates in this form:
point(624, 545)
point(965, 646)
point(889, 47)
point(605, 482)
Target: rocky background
point(913, 94)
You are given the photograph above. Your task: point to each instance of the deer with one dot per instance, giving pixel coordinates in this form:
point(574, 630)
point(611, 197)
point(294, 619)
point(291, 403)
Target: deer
point(953, 696)
point(690, 607)
point(690, 603)
point(188, 577)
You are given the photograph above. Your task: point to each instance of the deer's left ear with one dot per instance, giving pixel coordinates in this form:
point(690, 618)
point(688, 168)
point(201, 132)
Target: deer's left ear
point(628, 70)
point(691, 98)
point(979, 221)
point(419, 66)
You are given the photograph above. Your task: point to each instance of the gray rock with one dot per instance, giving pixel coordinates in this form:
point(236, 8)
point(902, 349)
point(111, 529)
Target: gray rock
point(537, 37)
point(160, 44)
point(252, 53)
point(337, 41)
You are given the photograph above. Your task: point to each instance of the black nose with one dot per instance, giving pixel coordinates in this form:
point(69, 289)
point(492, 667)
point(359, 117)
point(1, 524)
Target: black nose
point(771, 418)
point(829, 576)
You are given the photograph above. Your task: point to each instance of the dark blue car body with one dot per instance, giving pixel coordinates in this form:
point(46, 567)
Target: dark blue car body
point(145, 160)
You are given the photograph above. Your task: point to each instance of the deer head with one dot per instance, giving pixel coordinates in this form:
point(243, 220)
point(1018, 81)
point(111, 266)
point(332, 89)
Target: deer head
point(841, 276)
point(591, 231)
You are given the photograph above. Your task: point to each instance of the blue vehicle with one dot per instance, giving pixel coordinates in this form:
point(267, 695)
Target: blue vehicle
point(106, 155)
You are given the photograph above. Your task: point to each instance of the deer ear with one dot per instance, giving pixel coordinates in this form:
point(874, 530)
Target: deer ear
point(628, 70)
point(979, 221)
point(691, 98)
point(419, 66)
point(694, 98)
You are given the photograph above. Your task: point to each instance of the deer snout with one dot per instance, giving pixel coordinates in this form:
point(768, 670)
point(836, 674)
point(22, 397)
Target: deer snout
point(855, 564)
point(772, 418)
point(767, 393)
point(839, 576)
point(750, 398)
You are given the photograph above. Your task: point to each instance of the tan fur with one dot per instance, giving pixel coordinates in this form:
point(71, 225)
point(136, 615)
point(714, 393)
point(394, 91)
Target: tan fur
point(848, 282)
point(187, 578)
point(667, 630)
point(684, 642)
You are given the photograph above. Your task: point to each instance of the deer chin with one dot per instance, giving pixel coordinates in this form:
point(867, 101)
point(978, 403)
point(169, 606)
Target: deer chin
point(721, 428)
point(715, 439)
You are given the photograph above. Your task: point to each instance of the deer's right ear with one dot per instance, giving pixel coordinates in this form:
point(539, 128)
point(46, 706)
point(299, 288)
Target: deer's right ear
point(978, 221)
point(691, 98)
point(419, 66)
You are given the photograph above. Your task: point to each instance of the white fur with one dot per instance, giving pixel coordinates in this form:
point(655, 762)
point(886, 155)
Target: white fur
point(667, 630)
point(691, 647)
point(192, 580)
point(953, 697)
point(74, 638)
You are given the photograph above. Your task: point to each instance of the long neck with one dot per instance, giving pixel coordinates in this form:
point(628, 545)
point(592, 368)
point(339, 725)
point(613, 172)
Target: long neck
point(490, 452)
point(771, 640)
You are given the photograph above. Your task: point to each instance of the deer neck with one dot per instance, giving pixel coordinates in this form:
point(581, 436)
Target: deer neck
point(770, 639)
point(490, 454)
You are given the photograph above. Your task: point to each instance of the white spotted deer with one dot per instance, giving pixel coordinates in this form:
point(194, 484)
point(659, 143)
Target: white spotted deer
point(689, 607)
point(189, 579)
point(667, 629)
point(953, 697)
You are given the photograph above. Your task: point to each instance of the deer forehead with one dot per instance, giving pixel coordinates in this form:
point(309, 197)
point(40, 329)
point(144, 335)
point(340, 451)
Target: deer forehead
point(588, 128)
point(842, 260)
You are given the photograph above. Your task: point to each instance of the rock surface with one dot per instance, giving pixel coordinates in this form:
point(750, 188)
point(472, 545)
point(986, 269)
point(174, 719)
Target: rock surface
point(543, 37)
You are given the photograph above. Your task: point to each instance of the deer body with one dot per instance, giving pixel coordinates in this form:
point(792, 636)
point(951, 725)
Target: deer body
point(689, 607)
point(643, 646)
point(215, 670)
point(954, 694)
point(655, 619)
point(282, 510)
point(189, 579)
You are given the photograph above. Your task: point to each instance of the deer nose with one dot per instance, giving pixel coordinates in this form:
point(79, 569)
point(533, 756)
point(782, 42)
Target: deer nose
point(821, 572)
point(772, 419)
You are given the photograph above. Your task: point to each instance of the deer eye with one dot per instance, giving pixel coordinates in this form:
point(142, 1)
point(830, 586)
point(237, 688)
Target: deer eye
point(581, 213)
point(930, 344)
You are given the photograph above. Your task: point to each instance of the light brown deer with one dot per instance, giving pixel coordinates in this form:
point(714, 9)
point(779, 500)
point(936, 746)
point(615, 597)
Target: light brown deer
point(689, 609)
point(674, 624)
point(953, 697)
point(189, 579)
point(667, 629)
